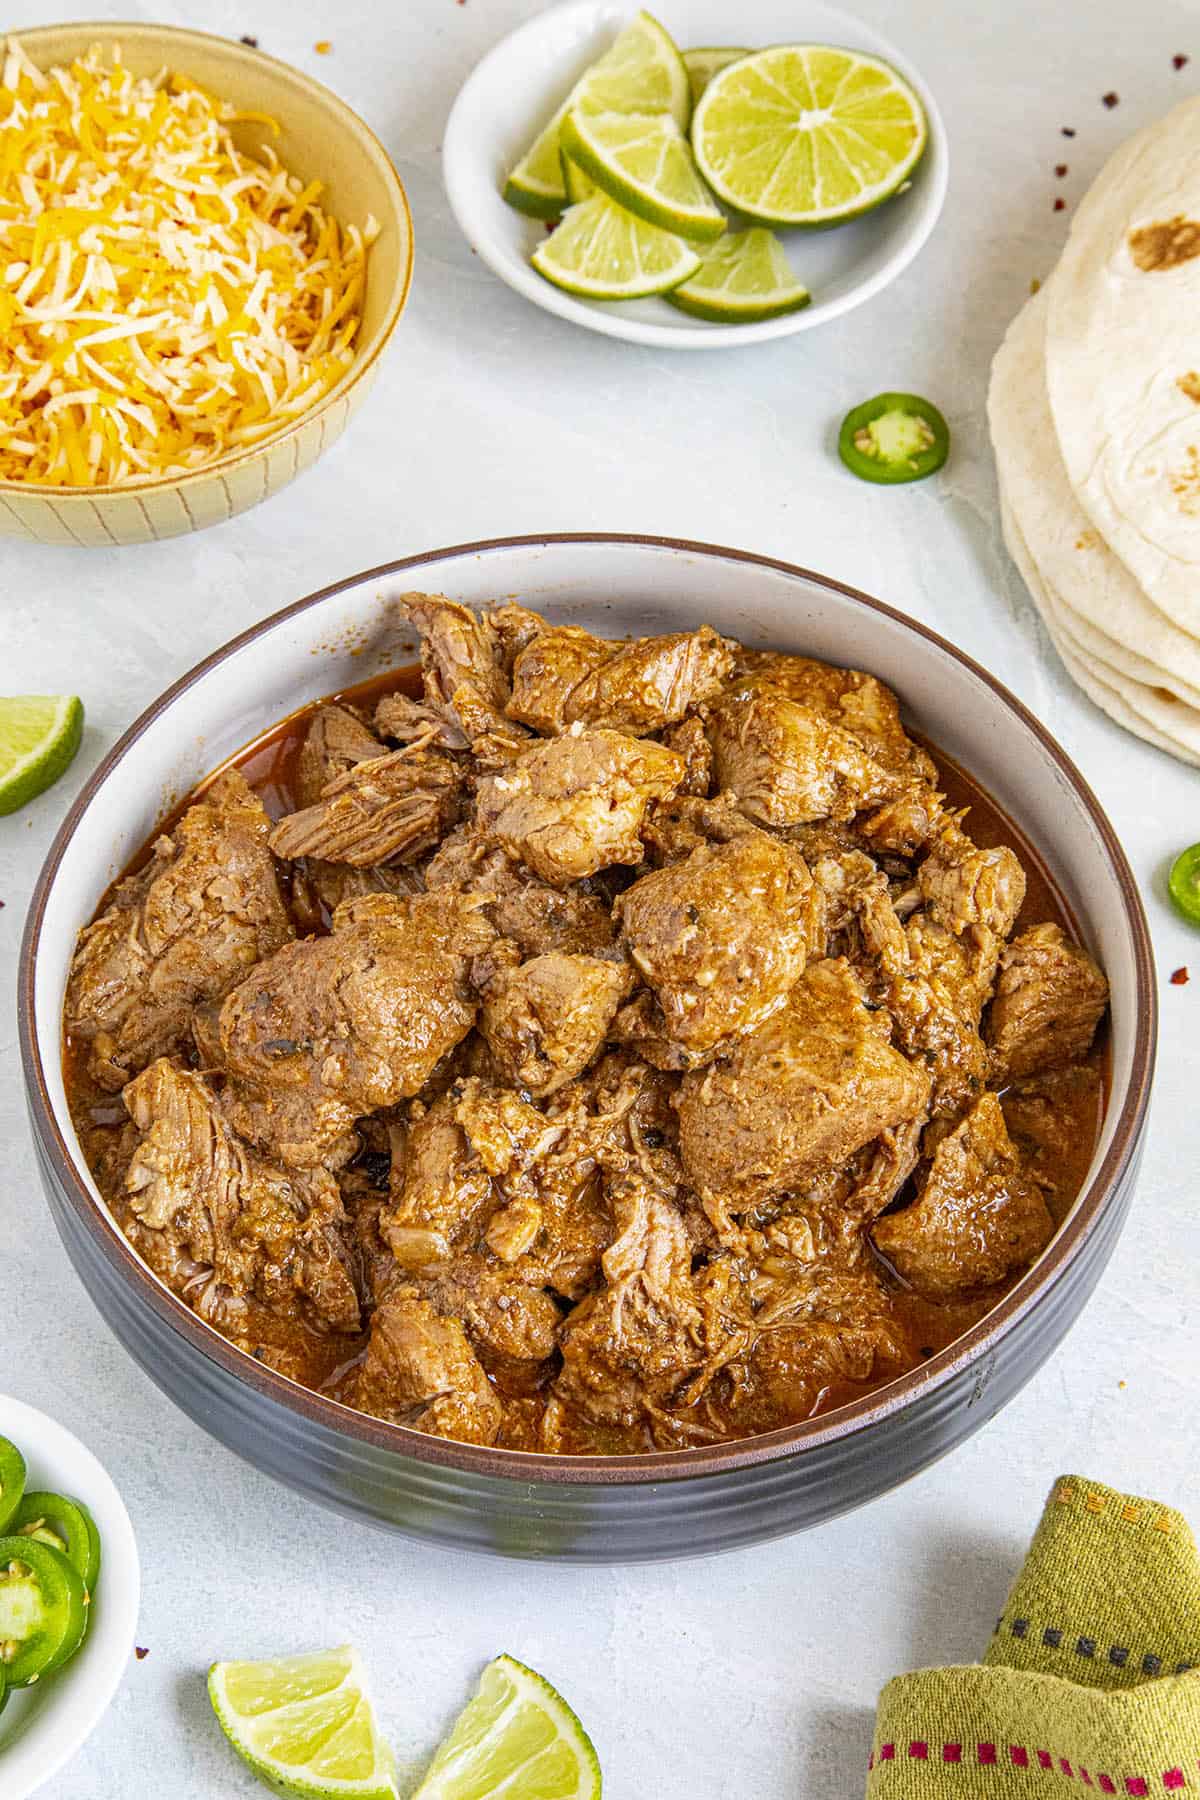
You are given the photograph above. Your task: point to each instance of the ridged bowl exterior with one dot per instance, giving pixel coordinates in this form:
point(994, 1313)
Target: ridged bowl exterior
point(320, 138)
point(580, 1509)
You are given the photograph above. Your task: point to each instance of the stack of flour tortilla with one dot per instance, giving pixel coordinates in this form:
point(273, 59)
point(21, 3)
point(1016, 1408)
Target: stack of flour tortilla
point(1094, 407)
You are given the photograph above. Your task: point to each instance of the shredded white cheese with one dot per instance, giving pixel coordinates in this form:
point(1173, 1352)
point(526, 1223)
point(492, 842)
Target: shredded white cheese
point(164, 299)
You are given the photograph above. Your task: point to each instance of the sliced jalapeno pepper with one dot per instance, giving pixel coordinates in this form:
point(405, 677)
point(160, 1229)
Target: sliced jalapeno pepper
point(12, 1481)
point(65, 1525)
point(894, 437)
point(1184, 884)
point(43, 1610)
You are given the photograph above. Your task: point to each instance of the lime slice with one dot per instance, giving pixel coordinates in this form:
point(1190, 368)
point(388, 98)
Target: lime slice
point(744, 278)
point(644, 163)
point(516, 1737)
point(642, 72)
point(578, 185)
point(805, 134)
point(305, 1726)
point(39, 735)
point(702, 64)
point(602, 252)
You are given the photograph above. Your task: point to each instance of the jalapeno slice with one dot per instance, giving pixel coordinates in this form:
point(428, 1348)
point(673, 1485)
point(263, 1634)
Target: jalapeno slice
point(894, 437)
point(12, 1481)
point(66, 1525)
point(1184, 884)
point(43, 1610)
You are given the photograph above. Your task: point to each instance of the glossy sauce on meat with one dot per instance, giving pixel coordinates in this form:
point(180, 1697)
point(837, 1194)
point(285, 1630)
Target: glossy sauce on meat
point(537, 1210)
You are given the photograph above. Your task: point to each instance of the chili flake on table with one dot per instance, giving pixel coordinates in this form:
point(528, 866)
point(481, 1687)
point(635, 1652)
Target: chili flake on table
point(165, 299)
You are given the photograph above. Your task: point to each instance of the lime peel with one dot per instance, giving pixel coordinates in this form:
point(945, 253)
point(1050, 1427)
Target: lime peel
point(644, 163)
point(602, 252)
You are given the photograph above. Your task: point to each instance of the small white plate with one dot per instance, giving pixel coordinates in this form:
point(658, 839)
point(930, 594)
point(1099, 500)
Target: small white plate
point(517, 86)
point(42, 1727)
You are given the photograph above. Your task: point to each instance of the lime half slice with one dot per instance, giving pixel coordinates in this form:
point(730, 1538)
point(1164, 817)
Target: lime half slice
point(703, 63)
point(602, 252)
point(644, 162)
point(578, 185)
point(641, 72)
point(39, 735)
point(518, 1738)
point(744, 278)
point(305, 1726)
point(805, 134)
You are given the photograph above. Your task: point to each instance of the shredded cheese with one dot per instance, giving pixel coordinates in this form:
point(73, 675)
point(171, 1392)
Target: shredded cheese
point(165, 300)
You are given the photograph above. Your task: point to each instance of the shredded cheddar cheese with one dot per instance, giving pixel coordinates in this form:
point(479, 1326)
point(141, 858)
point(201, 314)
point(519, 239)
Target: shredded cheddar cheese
point(165, 300)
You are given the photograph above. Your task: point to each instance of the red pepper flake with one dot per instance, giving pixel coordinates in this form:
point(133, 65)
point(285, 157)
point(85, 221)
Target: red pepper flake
point(1060, 170)
point(1059, 204)
point(1110, 99)
point(252, 42)
point(1179, 62)
point(1179, 978)
point(1068, 131)
point(141, 1652)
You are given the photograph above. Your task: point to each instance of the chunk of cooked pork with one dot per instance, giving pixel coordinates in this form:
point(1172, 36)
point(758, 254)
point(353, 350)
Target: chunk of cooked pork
point(690, 740)
point(722, 937)
point(407, 721)
point(335, 741)
point(536, 917)
point(630, 1349)
point(566, 675)
point(420, 1370)
point(441, 1191)
point(857, 702)
point(545, 1020)
point(388, 809)
point(787, 765)
point(979, 1214)
point(808, 1088)
point(338, 1026)
point(178, 934)
point(465, 680)
point(574, 805)
point(1049, 998)
point(250, 1226)
point(966, 884)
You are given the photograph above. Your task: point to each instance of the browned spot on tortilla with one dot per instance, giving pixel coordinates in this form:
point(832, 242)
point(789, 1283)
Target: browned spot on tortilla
point(1185, 482)
point(1189, 384)
point(1166, 695)
point(1166, 243)
point(1087, 540)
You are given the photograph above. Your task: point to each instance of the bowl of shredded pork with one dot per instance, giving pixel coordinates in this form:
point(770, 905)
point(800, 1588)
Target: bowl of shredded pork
point(590, 1032)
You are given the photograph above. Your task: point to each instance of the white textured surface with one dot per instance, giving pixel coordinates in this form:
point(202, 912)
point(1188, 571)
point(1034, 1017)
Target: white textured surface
point(755, 1674)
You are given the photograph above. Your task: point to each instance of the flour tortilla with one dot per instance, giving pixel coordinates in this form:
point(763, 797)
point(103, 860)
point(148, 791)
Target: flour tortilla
point(1099, 691)
point(1107, 611)
point(1120, 339)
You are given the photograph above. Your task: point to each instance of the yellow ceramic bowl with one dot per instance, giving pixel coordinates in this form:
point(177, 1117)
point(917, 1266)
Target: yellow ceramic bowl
point(319, 138)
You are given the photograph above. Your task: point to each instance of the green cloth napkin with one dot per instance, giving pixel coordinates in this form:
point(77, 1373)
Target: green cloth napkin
point(1088, 1679)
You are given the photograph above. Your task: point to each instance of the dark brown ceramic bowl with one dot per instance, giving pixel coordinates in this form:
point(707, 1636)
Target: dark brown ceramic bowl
point(603, 1508)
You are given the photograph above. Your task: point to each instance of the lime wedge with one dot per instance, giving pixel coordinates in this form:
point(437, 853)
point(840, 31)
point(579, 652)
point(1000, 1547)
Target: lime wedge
point(805, 134)
point(39, 735)
point(641, 72)
point(744, 278)
point(305, 1726)
point(602, 252)
point(516, 1737)
point(702, 64)
point(644, 163)
point(578, 185)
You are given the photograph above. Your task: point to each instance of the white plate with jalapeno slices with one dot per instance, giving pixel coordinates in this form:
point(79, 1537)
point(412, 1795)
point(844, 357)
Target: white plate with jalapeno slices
point(68, 1600)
